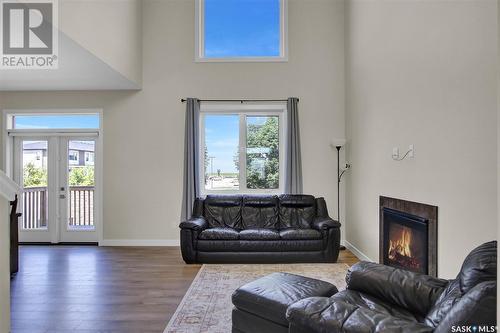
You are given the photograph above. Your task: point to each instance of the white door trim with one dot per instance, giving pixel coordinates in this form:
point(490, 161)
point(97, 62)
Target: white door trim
point(8, 149)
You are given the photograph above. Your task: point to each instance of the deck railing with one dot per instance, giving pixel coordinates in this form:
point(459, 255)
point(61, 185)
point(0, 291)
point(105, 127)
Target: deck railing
point(80, 205)
point(35, 207)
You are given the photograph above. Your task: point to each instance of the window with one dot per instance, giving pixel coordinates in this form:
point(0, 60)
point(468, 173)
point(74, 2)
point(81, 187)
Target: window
point(242, 148)
point(241, 30)
point(89, 158)
point(73, 157)
point(62, 121)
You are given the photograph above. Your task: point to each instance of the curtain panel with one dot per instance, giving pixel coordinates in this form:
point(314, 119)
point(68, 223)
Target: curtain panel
point(293, 171)
point(191, 179)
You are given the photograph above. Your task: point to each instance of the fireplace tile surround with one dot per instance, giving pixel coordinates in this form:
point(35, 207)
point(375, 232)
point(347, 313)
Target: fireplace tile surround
point(408, 235)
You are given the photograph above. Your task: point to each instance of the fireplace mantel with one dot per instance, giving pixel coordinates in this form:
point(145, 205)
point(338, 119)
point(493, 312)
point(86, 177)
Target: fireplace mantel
point(424, 211)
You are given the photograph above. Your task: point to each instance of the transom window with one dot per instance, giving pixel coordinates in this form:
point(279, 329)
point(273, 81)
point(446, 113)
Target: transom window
point(53, 121)
point(241, 30)
point(242, 149)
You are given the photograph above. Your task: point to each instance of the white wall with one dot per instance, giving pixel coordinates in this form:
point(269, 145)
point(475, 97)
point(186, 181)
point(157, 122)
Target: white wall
point(423, 73)
point(142, 188)
point(4, 266)
point(114, 35)
point(100, 48)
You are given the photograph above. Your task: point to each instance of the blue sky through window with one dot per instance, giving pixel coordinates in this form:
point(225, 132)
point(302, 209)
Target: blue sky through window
point(242, 28)
point(222, 141)
point(88, 121)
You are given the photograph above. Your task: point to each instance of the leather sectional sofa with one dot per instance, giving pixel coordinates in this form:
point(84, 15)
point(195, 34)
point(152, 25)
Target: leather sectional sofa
point(385, 299)
point(378, 299)
point(260, 229)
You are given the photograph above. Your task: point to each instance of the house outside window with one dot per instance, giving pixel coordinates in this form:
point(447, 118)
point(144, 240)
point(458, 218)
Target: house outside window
point(242, 148)
point(243, 30)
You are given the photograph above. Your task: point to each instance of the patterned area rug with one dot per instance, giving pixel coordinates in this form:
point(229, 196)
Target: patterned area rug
point(207, 306)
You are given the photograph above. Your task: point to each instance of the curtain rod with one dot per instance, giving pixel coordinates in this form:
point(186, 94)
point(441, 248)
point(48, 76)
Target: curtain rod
point(240, 100)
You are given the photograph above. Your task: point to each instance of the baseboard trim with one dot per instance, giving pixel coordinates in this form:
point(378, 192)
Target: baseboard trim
point(139, 242)
point(356, 251)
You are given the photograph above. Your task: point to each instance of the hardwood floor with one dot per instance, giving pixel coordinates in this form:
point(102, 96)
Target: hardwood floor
point(84, 289)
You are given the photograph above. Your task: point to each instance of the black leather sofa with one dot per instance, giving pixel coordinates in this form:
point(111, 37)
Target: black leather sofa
point(384, 299)
point(260, 229)
point(378, 299)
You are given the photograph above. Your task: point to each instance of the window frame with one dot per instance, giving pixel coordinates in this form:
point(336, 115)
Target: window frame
point(200, 38)
point(71, 152)
point(243, 110)
point(87, 156)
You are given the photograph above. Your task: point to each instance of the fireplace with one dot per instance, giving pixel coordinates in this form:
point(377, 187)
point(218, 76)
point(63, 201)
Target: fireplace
point(408, 235)
point(405, 240)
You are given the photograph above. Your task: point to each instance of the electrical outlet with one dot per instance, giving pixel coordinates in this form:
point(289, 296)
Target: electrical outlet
point(411, 150)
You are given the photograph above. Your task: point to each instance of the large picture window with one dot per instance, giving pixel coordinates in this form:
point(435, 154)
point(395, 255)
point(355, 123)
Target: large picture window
point(241, 30)
point(242, 149)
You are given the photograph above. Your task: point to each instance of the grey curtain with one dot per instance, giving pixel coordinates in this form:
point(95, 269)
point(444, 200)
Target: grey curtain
point(191, 158)
point(293, 172)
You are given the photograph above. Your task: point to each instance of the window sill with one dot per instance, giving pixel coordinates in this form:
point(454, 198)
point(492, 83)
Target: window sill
point(243, 59)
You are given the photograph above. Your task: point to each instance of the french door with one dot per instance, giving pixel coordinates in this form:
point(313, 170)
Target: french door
point(57, 175)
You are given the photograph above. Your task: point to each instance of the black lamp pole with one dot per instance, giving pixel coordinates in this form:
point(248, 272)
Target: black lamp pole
point(342, 247)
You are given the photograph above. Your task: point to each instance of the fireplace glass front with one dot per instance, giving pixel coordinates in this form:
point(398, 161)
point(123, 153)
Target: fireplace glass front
point(405, 241)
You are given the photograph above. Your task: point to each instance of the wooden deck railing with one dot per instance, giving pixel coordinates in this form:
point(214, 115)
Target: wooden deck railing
point(81, 206)
point(35, 207)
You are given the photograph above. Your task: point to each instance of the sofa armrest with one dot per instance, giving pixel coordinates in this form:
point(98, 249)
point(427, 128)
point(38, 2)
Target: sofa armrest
point(324, 223)
point(412, 291)
point(322, 314)
point(478, 307)
point(195, 223)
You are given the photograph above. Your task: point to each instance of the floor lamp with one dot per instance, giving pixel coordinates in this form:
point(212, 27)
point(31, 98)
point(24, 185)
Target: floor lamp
point(338, 144)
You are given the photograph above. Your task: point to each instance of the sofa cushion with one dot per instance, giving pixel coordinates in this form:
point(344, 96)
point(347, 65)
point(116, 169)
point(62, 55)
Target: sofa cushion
point(223, 211)
point(259, 234)
point(477, 307)
point(296, 211)
point(323, 314)
point(260, 246)
point(444, 303)
point(479, 266)
point(259, 212)
point(300, 234)
point(219, 234)
point(363, 300)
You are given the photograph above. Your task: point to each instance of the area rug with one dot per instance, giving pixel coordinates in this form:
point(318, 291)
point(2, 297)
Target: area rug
point(207, 306)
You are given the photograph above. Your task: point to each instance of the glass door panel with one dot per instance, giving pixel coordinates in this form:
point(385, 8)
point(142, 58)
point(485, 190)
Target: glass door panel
point(35, 185)
point(81, 185)
point(77, 179)
point(34, 171)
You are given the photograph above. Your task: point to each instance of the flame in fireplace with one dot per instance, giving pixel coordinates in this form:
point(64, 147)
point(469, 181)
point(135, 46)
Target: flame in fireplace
point(400, 246)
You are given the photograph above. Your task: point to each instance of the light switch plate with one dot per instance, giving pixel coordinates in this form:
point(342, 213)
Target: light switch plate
point(395, 153)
